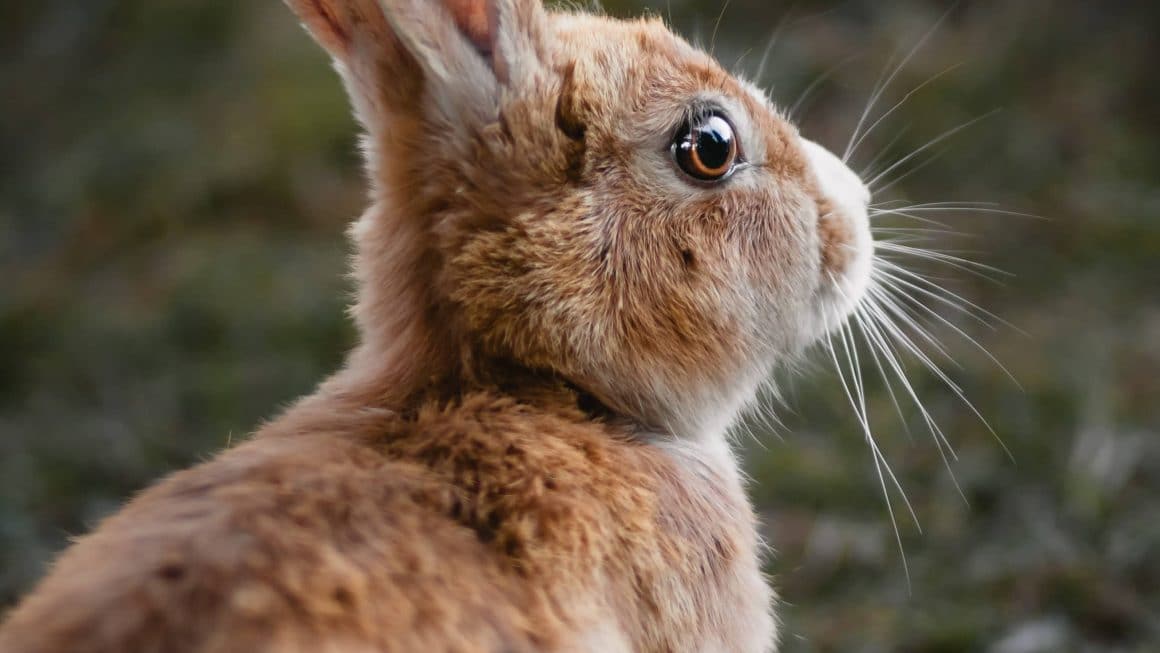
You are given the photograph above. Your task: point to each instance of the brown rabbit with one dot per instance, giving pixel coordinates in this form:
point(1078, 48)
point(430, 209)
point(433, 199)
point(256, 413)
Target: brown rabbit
point(587, 245)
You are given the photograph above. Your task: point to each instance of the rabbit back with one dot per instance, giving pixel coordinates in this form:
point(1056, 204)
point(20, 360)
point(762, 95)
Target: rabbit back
point(487, 525)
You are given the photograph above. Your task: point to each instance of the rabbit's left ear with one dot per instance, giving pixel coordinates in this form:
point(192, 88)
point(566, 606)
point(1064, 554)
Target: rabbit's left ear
point(417, 56)
point(509, 34)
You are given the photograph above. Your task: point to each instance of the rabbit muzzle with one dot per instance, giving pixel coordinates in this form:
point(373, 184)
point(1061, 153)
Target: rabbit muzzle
point(845, 244)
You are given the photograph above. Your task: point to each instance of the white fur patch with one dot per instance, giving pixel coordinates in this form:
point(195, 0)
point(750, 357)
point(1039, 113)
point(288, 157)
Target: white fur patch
point(845, 190)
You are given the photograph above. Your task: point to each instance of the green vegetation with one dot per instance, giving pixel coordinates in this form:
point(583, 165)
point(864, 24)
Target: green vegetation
point(174, 182)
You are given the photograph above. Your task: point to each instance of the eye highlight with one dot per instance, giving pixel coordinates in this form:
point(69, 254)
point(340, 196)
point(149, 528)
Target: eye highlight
point(705, 148)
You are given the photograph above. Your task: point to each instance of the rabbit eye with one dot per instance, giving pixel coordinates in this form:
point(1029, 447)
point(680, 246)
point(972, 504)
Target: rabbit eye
point(705, 148)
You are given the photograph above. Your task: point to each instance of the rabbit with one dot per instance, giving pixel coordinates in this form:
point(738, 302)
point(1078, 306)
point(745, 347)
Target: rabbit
point(586, 246)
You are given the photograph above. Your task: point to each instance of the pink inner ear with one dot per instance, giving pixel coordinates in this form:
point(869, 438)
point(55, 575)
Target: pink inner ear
point(474, 20)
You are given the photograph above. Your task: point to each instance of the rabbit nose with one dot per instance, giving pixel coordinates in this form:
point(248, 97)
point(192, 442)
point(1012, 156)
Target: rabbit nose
point(839, 183)
point(847, 247)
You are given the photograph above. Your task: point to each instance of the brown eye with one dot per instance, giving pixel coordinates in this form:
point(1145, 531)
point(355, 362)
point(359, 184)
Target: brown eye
point(706, 148)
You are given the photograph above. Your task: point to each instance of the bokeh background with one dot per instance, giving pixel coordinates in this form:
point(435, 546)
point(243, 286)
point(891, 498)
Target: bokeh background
point(175, 178)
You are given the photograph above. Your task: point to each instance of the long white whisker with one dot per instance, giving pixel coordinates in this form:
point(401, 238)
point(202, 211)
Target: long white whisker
point(884, 85)
point(901, 338)
point(920, 284)
point(888, 257)
point(891, 270)
point(942, 444)
point(879, 86)
point(863, 317)
point(938, 256)
point(929, 144)
point(902, 177)
point(971, 340)
point(919, 232)
point(945, 203)
point(896, 238)
point(897, 246)
point(898, 104)
point(970, 209)
point(781, 23)
point(930, 365)
point(875, 454)
point(880, 326)
point(908, 311)
point(877, 213)
point(856, 374)
point(826, 74)
point(717, 26)
point(902, 312)
point(882, 152)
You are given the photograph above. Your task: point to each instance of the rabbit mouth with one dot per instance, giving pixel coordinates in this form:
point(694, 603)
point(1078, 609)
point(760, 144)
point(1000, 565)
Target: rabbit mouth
point(845, 245)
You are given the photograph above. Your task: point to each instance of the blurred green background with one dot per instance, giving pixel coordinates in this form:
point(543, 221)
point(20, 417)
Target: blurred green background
point(174, 182)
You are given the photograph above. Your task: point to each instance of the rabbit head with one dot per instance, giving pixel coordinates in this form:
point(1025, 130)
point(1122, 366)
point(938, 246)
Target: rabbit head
point(590, 198)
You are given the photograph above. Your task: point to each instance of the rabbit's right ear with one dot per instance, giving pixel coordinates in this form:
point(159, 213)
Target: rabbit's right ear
point(448, 59)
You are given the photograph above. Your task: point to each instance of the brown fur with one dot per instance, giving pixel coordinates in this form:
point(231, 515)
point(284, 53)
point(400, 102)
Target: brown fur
point(487, 525)
point(525, 452)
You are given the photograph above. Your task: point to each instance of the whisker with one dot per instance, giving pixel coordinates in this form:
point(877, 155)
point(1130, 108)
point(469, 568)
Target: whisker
point(736, 68)
point(898, 104)
point(948, 255)
point(880, 462)
point(922, 357)
point(919, 233)
point(929, 144)
point(882, 88)
point(889, 257)
point(880, 325)
point(902, 177)
point(909, 317)
point(954, 387)
point(900, 276)
point(716, 27)
point(948, 297)
point(920, 208)
point(942, 444)
point(876, 455)
point(905, 292)
point(851, 351)
point(945, 258)
point(946, 203)
point(875, 213)
point(874, 93)
point(896, 238)
point(882, 152)
point(826, 74)
point(974, 342)
point(861, 316)
point(772, 40)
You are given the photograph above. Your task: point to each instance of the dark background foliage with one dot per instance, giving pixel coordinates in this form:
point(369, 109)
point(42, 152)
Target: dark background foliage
point(174, 182)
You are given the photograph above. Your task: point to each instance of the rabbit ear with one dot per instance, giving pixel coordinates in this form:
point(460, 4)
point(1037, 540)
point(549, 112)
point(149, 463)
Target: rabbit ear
point(455, 54)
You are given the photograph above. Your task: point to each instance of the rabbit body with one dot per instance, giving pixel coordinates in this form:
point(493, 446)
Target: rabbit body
point(492, 524)
point(587, 245)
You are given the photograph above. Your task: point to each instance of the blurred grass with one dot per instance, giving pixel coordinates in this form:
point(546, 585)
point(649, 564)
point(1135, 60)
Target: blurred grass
point(175, 178)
